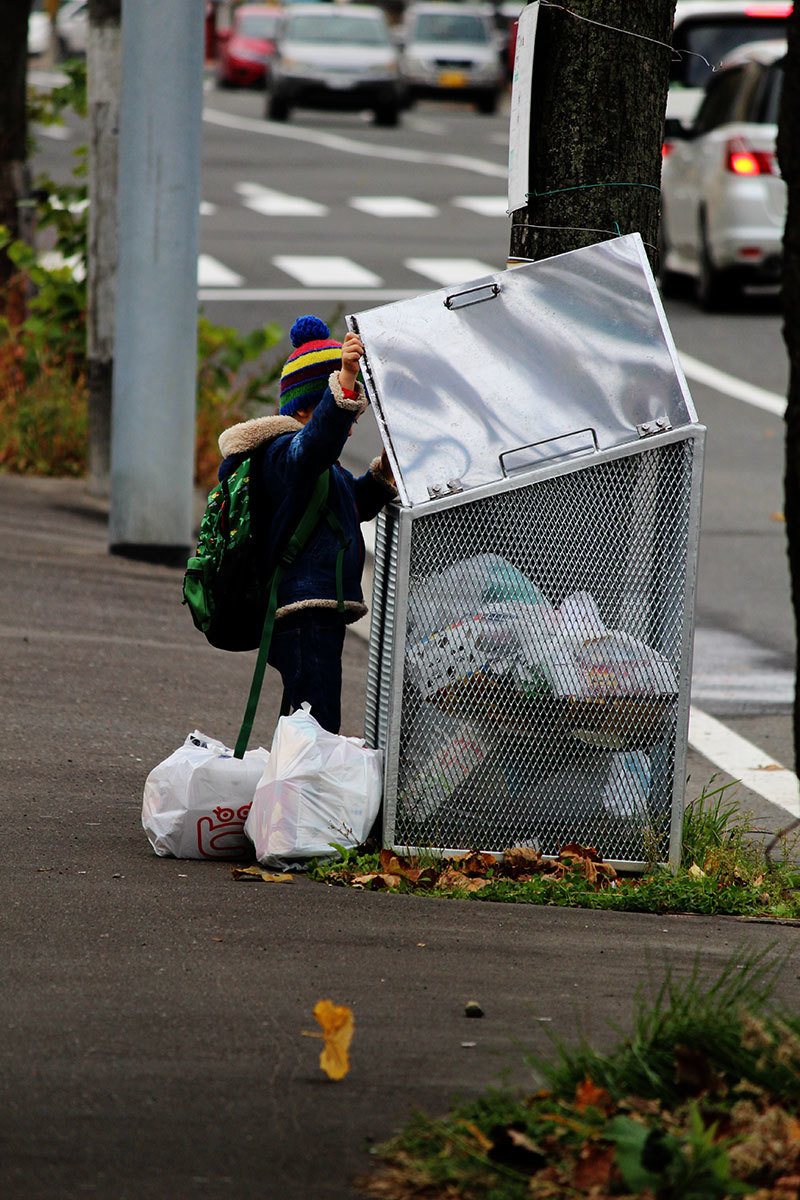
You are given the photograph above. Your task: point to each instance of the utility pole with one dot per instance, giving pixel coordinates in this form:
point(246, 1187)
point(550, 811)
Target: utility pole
point(103, 80)
point(155, 345)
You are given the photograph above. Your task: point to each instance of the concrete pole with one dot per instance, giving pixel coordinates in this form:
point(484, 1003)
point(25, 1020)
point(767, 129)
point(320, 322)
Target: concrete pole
point(155, 344)
point(103, 64)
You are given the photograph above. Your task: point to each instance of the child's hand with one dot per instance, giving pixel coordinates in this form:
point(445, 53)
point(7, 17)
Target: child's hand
point(352, 350)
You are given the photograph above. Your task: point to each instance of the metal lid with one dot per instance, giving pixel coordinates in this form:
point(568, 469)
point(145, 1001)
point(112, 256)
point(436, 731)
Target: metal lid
point(559, 357)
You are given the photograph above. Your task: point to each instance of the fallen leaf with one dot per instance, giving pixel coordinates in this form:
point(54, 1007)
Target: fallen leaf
point(259, 873)
point(480, 1137)
point(523, 858)
point(477, 864)
point(594, 1167)
point(336, 1021)
point(777, 516)
point(771, 767)
point(589, 1095)
point(696, 872)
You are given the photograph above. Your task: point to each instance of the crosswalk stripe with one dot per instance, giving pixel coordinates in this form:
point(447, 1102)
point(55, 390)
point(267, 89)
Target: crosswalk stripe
point(485, 206)
point(211, 273)
point(321, 270)
point(393, 206)
point(277, 204)
point(447, 271)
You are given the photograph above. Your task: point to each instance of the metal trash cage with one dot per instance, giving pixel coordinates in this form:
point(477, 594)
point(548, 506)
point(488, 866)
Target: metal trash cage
point(530, 684)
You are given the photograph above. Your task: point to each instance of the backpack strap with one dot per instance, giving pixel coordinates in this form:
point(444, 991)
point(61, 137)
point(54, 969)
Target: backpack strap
point(297, 541)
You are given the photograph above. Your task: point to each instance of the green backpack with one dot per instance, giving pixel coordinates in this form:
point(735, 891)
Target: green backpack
point(230, 594)
point(224, 585)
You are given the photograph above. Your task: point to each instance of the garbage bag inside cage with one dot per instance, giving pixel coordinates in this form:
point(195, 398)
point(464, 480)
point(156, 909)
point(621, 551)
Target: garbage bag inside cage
point(530, 647)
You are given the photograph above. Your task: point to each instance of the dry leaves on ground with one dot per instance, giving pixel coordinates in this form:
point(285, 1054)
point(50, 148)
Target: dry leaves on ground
point(473, 871)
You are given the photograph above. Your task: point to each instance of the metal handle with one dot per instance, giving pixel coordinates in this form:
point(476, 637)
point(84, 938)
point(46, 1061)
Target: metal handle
point(567, 452)
point(475, 295)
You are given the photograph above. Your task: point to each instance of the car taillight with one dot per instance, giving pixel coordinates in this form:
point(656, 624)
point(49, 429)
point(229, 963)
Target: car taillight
point(666, 149)
point(778, 10)
point(741, 159)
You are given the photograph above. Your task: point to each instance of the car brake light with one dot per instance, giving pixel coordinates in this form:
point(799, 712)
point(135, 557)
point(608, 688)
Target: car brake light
point(666, 149)
point(779, 10)
point(741, 160)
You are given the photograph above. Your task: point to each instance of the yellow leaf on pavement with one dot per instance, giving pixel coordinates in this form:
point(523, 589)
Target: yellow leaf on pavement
point(337, 1030)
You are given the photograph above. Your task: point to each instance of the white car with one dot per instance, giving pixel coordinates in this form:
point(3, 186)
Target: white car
point(38, 30)
point(335, 56)
point(705, 32)
point(723, 199)
point(72, 26)
point(453, 52)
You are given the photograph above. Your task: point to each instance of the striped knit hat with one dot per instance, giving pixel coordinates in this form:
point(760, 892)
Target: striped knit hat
point(305, 373)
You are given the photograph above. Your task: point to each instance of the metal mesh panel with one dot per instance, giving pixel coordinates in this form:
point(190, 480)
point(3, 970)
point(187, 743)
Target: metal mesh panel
point(541, 663)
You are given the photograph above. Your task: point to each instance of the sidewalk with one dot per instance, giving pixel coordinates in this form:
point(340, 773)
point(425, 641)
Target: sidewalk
point(154, 1008)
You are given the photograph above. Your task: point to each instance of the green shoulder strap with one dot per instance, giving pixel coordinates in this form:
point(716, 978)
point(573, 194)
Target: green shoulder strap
point(297, 541)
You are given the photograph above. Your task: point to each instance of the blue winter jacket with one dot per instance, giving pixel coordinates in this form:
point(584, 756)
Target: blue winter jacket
point(294, 457)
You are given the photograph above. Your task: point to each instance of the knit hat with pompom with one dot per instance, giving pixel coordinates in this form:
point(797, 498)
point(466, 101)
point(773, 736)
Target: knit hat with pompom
point(305, 373)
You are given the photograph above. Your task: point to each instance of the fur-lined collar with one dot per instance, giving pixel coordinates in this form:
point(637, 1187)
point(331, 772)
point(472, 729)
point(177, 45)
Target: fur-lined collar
point(248, 434)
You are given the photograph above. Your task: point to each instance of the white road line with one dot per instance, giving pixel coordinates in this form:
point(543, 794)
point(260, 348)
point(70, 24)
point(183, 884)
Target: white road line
point(729, 385)
point(58, 133)
point(277, 295)
point(346, 145)
point(393, 206)
point(743, 761)
point(277, 204)
point(485, 206)
point(448, 271)
point(211, 273)
point(321, 270)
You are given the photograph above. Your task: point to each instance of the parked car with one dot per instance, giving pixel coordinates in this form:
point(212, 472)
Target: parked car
point(72, 28)
point(452, 51)
point(247, 45)
point(38, 30)
point(335, 57)
point(709, 30)
point(723, 199)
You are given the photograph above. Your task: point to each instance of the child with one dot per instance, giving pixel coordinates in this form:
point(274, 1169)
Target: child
point(320, 402)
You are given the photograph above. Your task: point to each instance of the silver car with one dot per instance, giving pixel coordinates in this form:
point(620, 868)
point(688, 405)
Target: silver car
point(335, 57)
point(723, 199)
point(452, 51)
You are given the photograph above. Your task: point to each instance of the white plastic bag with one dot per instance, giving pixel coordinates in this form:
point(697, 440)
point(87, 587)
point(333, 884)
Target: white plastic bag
point(197, 800)
point(317, 788)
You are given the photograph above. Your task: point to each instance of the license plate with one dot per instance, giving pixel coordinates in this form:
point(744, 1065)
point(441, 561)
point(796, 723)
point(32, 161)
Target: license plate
point(341, 83)
point(452, 79)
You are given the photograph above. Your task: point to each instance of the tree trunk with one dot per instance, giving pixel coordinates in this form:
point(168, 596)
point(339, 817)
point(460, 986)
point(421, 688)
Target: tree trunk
point(789, 160)
point(597, 118)
point(14, 185)
point(103, 71)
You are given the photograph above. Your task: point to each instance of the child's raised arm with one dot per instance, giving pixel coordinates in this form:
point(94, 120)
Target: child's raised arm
point(352, 350)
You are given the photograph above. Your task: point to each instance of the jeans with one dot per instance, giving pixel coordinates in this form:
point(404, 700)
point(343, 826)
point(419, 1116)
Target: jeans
point(307, 651)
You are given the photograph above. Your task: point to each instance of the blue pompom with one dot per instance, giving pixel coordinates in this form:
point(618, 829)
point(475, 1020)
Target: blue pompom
point(308, 329)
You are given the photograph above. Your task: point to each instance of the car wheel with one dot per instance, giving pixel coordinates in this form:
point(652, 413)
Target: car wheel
point(387, 115)
point(714, 287)
point(487, 105)
point(277, 108)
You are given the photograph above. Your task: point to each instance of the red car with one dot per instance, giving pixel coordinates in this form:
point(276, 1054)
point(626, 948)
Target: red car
point(246, 47)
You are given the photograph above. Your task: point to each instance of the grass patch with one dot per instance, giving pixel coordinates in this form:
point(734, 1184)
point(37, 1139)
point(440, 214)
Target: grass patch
point(699, 1103)
point(724, 870)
